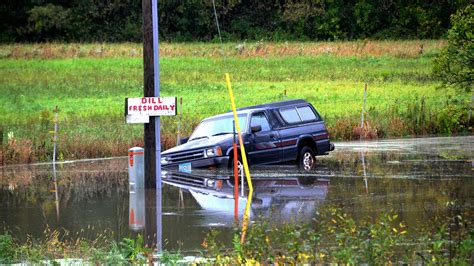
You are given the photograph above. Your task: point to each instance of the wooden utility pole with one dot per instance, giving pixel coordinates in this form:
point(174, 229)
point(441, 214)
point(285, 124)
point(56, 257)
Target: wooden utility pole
point(151, 76)
point(148, 91)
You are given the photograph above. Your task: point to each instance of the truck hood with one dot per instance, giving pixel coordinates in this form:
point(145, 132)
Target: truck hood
point(200, 143)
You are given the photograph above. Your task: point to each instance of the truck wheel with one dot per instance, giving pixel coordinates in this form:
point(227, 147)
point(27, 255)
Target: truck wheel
point(306, 159)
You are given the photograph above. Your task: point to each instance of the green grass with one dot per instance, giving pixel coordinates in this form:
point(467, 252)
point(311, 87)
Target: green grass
point(90, 91)
point(97, 87)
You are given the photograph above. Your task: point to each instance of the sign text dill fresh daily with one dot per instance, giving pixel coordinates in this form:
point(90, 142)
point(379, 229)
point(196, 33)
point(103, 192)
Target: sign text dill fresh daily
point(138, 110)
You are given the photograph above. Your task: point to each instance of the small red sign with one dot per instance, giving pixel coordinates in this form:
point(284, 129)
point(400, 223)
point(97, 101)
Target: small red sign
point(130, 155)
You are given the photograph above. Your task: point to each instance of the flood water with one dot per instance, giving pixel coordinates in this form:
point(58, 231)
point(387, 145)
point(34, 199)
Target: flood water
point(412, 177)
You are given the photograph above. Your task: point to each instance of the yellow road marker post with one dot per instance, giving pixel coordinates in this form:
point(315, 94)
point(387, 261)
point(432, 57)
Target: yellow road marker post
point(244, 160)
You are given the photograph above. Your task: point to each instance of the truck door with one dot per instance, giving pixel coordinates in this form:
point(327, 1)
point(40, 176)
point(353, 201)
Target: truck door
point(264, 143)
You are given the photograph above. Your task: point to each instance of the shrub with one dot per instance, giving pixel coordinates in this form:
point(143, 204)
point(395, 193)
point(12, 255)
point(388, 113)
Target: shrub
point(48, 22)
point(454, 66)
point(7, 252)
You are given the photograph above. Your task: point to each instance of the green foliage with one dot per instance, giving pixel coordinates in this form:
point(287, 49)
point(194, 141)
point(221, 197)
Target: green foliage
point(381, 239)
point(120, 20)
point(31, 253)
point(329, 25)
point(49, 22)
point(211, 245)
point(171, 258)
point(258, 239)
point(7, 251)
point(334, 237)
point(372, 241)
point(133, 250)
point(56, 245)
point(453, 116)
point(449, 240)
point(366, 18)
point(454, 66)
point(418, 116)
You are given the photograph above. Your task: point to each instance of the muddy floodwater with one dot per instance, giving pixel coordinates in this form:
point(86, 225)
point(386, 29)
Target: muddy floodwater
point(414, 178)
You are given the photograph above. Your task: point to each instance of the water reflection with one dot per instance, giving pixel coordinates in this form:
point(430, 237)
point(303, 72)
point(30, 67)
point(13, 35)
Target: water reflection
point(55, 191)
point(362, 157)
point(362, 179)
point(136, 209)
point(281, 198)
point(73, 196)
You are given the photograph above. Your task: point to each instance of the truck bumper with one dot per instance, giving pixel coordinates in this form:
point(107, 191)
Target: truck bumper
point(218, 162)
point(331, 148)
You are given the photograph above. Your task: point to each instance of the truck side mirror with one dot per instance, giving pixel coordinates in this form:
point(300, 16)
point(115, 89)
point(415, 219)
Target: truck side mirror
point(256, 129)
point(183, 140)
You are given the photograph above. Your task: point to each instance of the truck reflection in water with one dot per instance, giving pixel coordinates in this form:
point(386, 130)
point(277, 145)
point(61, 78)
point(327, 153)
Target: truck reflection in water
point(281, 198)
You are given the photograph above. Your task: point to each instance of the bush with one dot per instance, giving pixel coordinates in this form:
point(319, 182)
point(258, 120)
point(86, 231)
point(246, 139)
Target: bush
point(7, 252)
point(454, 66)
point(46, 23)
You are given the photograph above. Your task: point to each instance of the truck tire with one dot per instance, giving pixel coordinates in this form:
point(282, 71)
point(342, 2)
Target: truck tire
point(307, 159)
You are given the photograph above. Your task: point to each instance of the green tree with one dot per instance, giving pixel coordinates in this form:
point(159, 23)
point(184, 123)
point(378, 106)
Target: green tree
point(49, 22)
point(454, 65)
point(193, 20)
point(366, 18)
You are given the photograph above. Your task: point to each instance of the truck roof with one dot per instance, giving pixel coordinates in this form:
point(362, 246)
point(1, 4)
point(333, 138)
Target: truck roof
point(245, 110)
point(273, 105)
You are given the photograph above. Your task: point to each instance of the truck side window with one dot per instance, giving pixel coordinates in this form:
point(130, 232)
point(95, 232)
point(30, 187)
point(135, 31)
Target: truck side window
point(307, 114)
point(260, 119)
point(290, 115)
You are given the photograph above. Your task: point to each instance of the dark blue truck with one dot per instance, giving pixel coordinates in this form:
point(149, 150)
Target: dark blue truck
point(273, 133)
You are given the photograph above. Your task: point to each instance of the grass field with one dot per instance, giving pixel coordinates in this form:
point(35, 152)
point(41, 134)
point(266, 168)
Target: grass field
point(90, 81)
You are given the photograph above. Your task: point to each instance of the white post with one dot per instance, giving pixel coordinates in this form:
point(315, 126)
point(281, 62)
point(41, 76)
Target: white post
point(55, 140)
point(363, 107)
point(242, 182)
point(178, 138)
point(136, 168)
point(365, 172)
point(55, 137)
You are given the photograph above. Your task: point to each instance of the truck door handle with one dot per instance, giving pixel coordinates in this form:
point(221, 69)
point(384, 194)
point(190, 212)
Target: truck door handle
point(272, 136)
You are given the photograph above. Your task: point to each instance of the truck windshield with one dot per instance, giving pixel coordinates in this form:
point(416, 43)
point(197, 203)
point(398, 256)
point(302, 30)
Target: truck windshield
point(218, 126)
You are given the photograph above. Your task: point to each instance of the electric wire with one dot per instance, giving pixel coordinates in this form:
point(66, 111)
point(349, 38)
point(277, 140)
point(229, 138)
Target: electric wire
point(219, 33)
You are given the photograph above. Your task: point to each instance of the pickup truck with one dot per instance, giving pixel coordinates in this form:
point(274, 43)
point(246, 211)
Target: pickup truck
point(273, 133)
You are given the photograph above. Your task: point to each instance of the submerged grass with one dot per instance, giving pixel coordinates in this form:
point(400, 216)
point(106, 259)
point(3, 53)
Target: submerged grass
point(90, 88)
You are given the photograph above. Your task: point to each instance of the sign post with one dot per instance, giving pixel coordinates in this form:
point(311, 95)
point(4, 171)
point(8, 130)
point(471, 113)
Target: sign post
point(156, 81)
point(151, 79)
point(156, 67)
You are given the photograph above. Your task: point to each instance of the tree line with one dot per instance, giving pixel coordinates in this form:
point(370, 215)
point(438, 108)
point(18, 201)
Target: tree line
point(193, 20)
